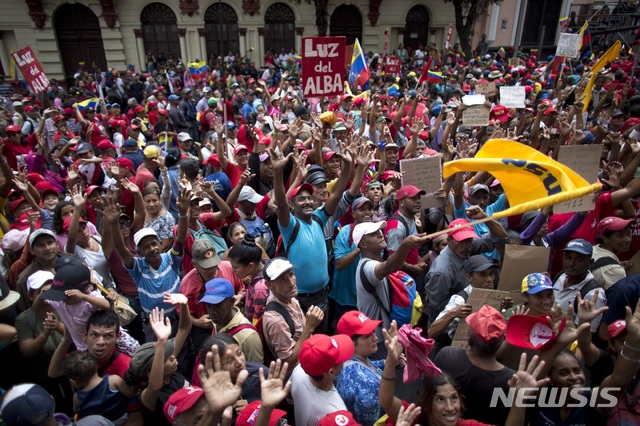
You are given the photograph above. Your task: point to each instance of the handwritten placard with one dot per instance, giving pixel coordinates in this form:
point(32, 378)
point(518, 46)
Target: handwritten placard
point(512, 96)
point(584, 160)
point(569, 45)
point(477, 299)
point(520, 261)
point(514, 62)
point(487, 89)
point(471, 100)
point(426, 174)
point(477, 115)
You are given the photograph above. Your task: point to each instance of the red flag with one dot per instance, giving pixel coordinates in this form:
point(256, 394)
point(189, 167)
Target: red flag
point(425, 71)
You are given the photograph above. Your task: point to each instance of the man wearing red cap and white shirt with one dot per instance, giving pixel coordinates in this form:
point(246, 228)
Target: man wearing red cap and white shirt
point(402, 224)
point(321, 360)
point(16, 147)
point(446, 276)
point(614, 238)
point(240, 154)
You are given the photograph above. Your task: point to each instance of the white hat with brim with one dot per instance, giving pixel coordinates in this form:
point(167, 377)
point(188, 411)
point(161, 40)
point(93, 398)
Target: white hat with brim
point(9, 299)
point(366, 228)
point(143, 233)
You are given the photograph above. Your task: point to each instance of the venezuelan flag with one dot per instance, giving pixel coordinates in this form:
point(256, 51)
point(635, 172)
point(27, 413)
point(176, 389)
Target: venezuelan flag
point(198, 70)
point(298, 59)
point(564, 21)
point(586, 35)
point(89, 103)
point(502, 52)
point(434, 76)
point(359, 74)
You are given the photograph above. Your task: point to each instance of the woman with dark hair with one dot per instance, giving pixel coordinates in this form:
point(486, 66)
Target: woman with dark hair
point(232, 359)
point(246, 259)
point(156, 216)
point(63, 210)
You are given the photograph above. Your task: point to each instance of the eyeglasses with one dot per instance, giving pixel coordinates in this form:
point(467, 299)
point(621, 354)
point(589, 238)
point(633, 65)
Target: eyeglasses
point(125, 224)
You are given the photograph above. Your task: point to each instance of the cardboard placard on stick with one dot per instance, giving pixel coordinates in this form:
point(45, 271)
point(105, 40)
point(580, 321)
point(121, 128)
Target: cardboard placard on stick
point(477, 115)
point(635, 269)
point(477, 299)
point(569, 45)
point(585, 161)
point(487, 89)
point(520, 261)
point(512, 96)
point(426, 174)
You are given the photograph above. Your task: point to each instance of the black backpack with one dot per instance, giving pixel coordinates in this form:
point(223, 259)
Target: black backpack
point(276, 307)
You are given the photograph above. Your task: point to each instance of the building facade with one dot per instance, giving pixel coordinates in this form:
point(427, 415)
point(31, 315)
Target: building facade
point(116, 33)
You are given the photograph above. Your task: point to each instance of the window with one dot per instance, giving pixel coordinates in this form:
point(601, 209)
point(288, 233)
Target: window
point(160, 30)
point(279, 28)
point(416, 28)
point(347, 21)
point(221, 25)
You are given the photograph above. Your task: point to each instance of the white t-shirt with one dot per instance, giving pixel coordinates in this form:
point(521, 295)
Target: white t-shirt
point(310, 403)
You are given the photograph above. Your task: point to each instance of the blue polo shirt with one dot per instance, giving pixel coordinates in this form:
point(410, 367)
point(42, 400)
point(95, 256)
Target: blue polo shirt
point(153, 284)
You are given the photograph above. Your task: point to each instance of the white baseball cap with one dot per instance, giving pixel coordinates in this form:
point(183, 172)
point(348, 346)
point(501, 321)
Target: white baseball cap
point(184, 136)
point(38, 279)
point(247, 193)
point(144, 232)
point(276, 267)
point(366, 228)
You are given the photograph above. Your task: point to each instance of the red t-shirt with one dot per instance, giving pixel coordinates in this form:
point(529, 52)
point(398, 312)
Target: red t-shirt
point(193, 287)
point(587, 231)
point(413, 256)
point(142, 176)
point(16, 153)
point(635, 235)
point(119, 365)
point(234, 172)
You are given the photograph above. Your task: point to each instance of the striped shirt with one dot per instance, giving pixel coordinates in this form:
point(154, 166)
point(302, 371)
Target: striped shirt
point(152, 284)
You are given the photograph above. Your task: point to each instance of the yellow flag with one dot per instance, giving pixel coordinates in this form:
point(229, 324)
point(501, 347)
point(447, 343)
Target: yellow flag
point(530, 179)
point(608, 57)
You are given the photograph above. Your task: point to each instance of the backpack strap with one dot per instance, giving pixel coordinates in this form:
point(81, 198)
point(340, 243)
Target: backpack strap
point(104, 368)
point(238, 328)
point(402, 220)
point(277, 307)
point(296, 229)
point(463, 294)
point(602, 262)
point(591, 285)
point(371, 289)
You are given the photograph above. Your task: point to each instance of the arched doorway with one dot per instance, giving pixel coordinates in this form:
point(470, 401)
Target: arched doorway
point(279, 28)
point(160, 30)
point(346, 21)
point(416, 27)
point(221, 25)
point(79, 39)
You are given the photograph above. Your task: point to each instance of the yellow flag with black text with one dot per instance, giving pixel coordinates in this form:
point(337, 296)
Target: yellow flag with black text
point(530, 179)
point(608, 57)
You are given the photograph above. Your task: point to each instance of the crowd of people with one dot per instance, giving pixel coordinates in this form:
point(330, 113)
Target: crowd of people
point(225, 250)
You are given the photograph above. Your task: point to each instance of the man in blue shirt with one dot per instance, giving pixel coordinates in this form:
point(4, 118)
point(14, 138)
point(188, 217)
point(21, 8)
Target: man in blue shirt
point(155, 273)
point(248, 105)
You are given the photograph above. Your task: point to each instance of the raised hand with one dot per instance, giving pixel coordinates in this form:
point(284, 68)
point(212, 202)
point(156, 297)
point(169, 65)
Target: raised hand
point(175, 299)
point(111, 211)
point(278, 161)
point(526, 376)
point(160, 325)
point(184, 201)
point(394, 347)
point(406, 416)
point(77, 197)
point(272, 388)
point(219, 390)
point(295, 128)
point(246, 177)
point(129, 186)
point(587, 311)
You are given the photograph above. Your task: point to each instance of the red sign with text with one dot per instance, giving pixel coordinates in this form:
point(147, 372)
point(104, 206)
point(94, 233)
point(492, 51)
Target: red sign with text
point(393, 65)
point(31, 70)
point(323, 66)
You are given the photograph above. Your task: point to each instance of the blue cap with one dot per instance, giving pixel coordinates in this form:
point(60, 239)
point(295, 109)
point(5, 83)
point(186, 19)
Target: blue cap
point(550, 58)
point(413, 94)
point(579, 246)
point(588, 138)
point(436, 109)
point(173, 97)
point(231, 125)
point(216, 291)
point(130, 144)
point(536, 282)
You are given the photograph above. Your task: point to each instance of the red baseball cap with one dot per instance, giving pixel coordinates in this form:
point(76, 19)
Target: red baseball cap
point(92, 188)
point(213, 160)
point(613, 224)
point(338, 418)
point(34, 178)
point(345, 96)
point(239, 148)
point(12, 129)
point(163, 112)
point(117, 123)
point(304, 187)
point(487, 324)
point(463, 233)
point(67, 222)
point(359, 101)
point(532, 332)
point(126, 163)
point(45, 187)
point(249, 415)
point(139, 108)
point(320, 353)
point(387, 174)
point(410, 191)
point(181, 401)
point(105, 144)
point(328, 155)
point(355, 322)
point(16, 203)
point(615, 328)
point(500, 113)
point(265, 140)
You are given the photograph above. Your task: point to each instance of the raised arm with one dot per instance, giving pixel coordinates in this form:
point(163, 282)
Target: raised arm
point(218, 126)
point(183, 202)
point(396, 260)
point(341, 184)
point(111, 217)
point(279, 162)
point(162, 328)
point(78, 200)
point(139, 216)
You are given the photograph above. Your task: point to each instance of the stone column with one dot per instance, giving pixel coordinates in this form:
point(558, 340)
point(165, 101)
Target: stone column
point(261, 51)
point(243, 40)
point(299, 33)
point(202, 33)
point(184, 53)
point(142, 55)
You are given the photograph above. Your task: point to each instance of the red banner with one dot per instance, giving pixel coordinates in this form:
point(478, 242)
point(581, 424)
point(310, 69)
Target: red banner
point(31, 70)
point(323, 62)
point(393, 65)
point(449, 34)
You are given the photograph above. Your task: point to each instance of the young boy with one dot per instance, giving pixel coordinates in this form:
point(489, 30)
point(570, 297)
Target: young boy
point(107, 396)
